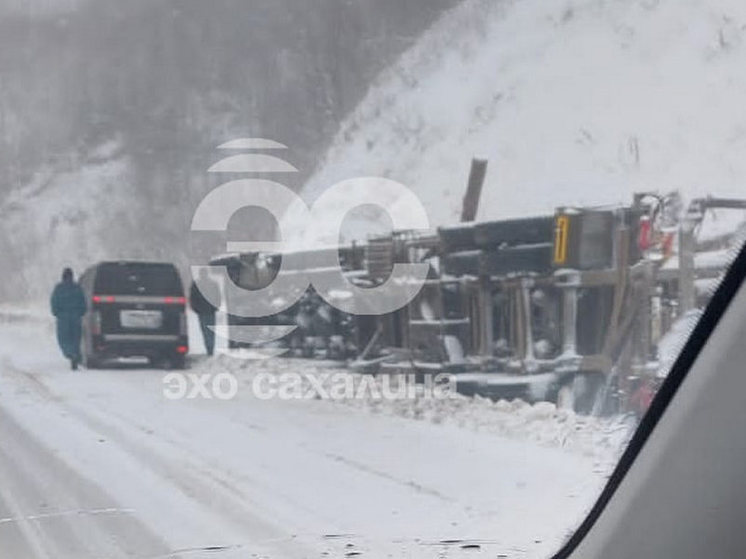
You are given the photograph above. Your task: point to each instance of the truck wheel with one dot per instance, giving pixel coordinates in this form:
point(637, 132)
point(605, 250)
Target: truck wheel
point(587, 388)
point(566, 397)
point(580, 393)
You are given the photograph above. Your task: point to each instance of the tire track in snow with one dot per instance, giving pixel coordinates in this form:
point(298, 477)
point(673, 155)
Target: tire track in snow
point(378, 473)
point(57, 512)
point(227, 503)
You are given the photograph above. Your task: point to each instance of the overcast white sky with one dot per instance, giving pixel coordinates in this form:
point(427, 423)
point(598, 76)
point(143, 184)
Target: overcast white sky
point(38, 7)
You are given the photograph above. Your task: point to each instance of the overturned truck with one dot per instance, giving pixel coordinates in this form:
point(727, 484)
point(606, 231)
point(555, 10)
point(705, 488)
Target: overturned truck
point(568, 307)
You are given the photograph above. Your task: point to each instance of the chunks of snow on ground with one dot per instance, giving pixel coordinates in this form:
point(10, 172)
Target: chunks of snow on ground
point(542, 422)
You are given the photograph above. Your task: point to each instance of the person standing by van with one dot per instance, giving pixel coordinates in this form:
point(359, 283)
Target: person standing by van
point(68, 307)
point(205, 305)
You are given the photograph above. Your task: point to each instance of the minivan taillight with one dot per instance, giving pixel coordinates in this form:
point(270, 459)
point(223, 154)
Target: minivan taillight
point(175, 300)
point(103, 299)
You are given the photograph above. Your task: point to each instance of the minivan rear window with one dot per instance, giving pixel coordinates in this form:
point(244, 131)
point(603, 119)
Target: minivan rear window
point(127, 278)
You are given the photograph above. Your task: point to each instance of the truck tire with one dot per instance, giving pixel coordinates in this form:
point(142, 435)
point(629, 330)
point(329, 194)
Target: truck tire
point(580, 393)
point(565, 399)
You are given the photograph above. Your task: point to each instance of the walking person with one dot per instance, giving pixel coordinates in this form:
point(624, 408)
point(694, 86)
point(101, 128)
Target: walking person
point(205, 300)
point(68, 307)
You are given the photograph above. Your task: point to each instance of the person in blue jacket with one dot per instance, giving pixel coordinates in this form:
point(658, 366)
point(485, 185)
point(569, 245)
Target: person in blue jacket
point(68, 307)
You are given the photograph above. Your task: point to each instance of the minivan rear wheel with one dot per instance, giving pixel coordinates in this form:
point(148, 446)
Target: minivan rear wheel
point(90, 362)
point(178, 362)
point(169, 362)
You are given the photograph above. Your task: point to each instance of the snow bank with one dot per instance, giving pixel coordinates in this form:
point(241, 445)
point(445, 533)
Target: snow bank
point(541, 422)
point(573, 102)
point(600, 438)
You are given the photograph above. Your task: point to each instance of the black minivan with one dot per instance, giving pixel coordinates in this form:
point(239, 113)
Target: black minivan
point(134, 309)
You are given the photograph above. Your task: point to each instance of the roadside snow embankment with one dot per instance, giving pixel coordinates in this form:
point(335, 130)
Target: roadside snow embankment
point(600, 438)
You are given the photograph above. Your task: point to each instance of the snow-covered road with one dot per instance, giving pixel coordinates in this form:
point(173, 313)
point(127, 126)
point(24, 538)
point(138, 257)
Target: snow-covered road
point(100, 464)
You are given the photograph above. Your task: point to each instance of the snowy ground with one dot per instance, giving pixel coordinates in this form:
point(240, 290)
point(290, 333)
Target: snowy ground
point(101, 464)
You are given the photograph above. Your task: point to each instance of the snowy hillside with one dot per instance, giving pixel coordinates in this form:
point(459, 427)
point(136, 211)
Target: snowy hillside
point(166, 82)
point(75, 217)
point(573, 102)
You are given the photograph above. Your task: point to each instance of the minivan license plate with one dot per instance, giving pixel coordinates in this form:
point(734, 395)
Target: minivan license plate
point(149, 320)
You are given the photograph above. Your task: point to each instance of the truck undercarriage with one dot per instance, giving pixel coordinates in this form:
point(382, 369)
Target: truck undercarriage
point(568, 307)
